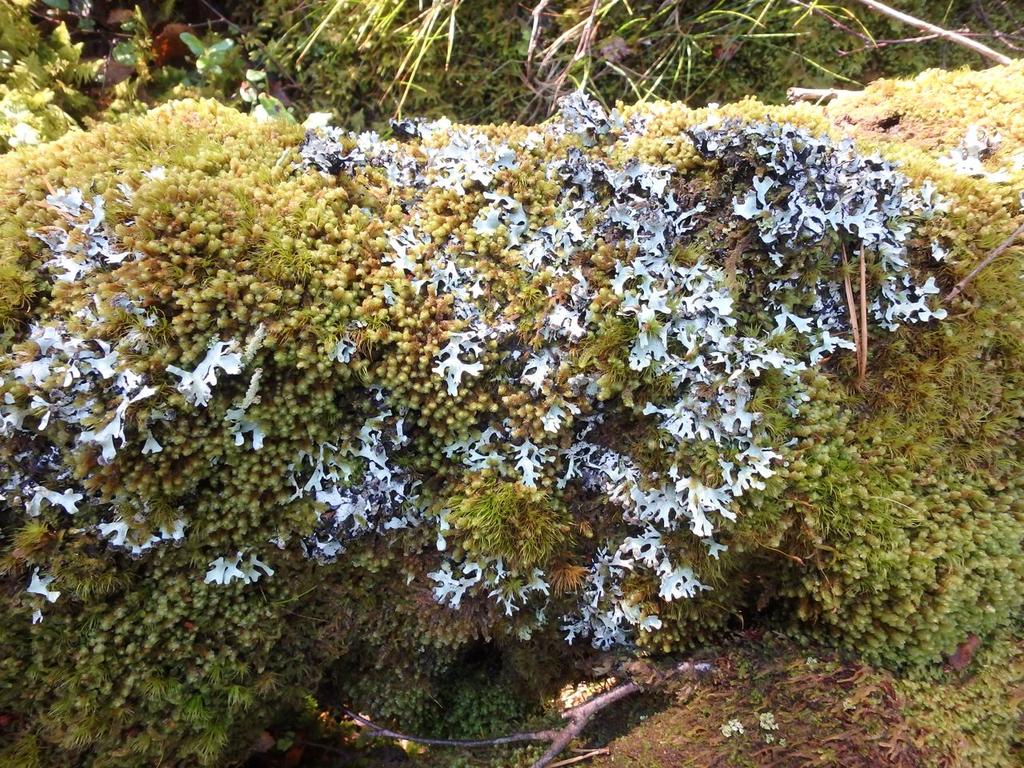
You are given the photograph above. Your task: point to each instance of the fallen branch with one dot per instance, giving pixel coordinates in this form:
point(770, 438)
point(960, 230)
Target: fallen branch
point(994, 254)
point(945, 34)
point(512, 738)
point(578, 717)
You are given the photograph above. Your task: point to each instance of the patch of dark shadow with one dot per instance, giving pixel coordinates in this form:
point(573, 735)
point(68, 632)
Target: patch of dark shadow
point(889, 122)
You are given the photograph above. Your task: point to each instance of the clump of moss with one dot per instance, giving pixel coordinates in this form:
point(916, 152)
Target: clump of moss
point(973, 713)
point(512, 522)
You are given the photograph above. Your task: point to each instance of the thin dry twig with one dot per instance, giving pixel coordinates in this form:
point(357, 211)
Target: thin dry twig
point(994, 254)
point(543, 81)
point(885, 43)
point(815, 9)
point(589, 28)
point(850, 304)
point(580, 758)
point(1006, 37)
point(817, 94)
point(871, 43)
point(953, 37)
point(798, 560)
point(858, 312)
point(862, 368)
point(512, 738)
point(579, 717)
point(536, 13)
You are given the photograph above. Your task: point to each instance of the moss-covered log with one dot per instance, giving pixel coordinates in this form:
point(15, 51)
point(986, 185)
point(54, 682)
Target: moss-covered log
point(283, 412)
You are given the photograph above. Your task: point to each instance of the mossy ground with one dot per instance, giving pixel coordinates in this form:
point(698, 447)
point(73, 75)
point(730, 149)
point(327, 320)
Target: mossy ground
point(799, 705)
point(831, 712)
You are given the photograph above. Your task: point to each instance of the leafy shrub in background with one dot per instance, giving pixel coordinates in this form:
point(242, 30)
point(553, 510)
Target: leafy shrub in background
point(290, 414)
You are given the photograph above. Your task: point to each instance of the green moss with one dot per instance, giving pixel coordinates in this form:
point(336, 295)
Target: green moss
point(974, 715)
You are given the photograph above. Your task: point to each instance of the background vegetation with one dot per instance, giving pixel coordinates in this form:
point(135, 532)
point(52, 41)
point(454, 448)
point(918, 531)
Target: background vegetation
point(366, 61)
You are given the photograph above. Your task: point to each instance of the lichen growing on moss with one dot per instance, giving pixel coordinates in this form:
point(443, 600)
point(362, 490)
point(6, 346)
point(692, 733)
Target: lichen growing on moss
point(277, 410)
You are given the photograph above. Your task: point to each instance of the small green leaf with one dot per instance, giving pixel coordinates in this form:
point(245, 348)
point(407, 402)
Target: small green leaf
point(221, 46)
point(270, 108)
point(125, 53)
point(194, 43)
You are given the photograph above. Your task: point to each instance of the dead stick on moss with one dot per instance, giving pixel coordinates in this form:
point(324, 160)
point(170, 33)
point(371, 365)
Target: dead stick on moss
point(560, 738)
point(953, 37)
point(512, 738)
point(580, 758)
point(817, 94)
point(579, 717)
point(851, 305)
point(862, 370)
point(994, 254)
